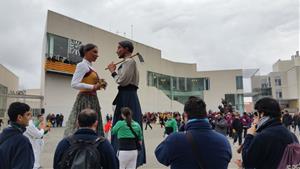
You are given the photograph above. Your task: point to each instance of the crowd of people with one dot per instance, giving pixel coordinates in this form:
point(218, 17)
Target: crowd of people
point(195, 139)
point(266, 138)
point(230, 124)
point(55, 120)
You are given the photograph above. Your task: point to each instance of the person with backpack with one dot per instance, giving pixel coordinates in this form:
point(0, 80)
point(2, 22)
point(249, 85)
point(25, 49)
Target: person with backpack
point(129, 134)
point(15, 149)
point(85, 149)
point(199, 146)
point(267, 138)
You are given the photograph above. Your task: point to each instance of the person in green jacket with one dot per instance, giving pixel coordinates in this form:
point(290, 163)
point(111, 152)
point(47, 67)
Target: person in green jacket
point(170, 125)
point(129, 134)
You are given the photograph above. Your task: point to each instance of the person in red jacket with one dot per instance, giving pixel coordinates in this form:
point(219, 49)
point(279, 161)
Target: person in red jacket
point(107, 128)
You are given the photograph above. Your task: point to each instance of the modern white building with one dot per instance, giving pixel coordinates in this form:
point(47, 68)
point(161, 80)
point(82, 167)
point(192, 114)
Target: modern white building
point(9, 83)
point(283, 83)
point(9, 93)
point(164, 85)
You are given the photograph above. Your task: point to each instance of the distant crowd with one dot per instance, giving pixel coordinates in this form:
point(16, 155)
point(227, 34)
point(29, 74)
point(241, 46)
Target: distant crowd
point(55, 120)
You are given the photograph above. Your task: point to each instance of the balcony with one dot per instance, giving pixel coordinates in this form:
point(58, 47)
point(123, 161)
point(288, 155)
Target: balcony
point(59, 67)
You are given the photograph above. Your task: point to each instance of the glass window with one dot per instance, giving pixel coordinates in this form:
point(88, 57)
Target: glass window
point(266, 91)
point(239, 82)
point(175, 83)
point(150, 81)
point(195, 84)
point(3, 99)
point(164, 82)
point(240, 102)
point(236, 100)
point(63, 49)
point(181, 83)
point(178, 88)
point(278, 94)
point(58, 46)
point(155, 77)
point(206, 84)
point(277, 81)
point(230, 99)
point(240, 99)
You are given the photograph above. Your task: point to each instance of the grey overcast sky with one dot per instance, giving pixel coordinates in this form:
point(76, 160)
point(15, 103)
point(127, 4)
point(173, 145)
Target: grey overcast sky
point(215, 34)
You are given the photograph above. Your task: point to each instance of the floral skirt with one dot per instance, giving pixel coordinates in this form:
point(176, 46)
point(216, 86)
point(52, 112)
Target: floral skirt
point(84, 101)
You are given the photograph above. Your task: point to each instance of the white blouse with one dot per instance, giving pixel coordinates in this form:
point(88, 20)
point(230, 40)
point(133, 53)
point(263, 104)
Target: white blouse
point(81, 69)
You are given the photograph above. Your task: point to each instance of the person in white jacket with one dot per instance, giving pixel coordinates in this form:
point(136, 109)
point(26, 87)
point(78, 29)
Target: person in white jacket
point(35, 135)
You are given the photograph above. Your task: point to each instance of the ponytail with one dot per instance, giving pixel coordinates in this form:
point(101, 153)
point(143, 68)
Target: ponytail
point(128, 115)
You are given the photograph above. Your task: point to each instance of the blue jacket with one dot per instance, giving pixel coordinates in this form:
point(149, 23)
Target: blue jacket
point(265, 150)
point(213, 148)
point(109, 159)
point(16, 151)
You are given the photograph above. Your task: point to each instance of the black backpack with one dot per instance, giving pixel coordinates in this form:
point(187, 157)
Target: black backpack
point(82, 154)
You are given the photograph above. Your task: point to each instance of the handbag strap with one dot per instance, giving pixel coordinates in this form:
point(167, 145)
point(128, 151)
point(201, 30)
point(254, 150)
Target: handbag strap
point(192, 142)
point(133, 132)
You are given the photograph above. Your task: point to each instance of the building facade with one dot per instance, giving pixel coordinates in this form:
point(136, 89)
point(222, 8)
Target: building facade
point(9, 83)
point(9, 93)
point(164, 85)
point(283, 83)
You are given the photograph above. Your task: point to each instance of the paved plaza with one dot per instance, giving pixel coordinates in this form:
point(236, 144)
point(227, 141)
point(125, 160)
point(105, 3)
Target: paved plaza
point(152, 139)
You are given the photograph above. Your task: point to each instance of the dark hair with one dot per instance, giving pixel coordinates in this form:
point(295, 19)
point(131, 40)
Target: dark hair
point(195, 108)
point(85, 48)
point(127, 44)
point(255, 114)
point(15, 109)
point(269, 106)
point(126, 111)
point(87, 117)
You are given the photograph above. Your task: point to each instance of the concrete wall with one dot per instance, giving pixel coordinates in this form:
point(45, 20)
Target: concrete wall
point(297, 61)
point(59, 96)
point(8, 79)
point(221, 83)
point(284, 85)
point(283, 65)
point(292, 84)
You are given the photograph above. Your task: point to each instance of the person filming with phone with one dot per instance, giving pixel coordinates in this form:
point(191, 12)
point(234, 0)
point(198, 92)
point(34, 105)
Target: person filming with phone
point(267, 138)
